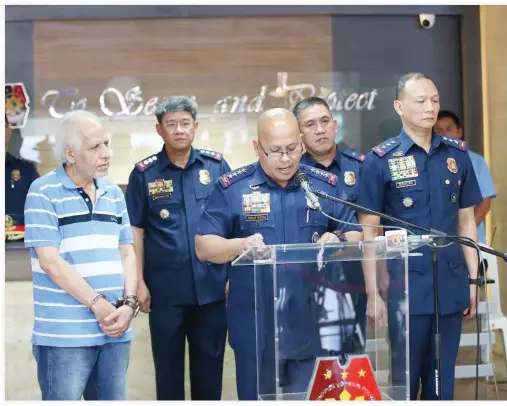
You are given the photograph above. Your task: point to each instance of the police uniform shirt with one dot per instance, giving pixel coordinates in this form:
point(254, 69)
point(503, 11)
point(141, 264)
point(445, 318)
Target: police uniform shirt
point(19, 175)
point(165, 200)
point(400, 179)
point(346, 165)
point(246, 201)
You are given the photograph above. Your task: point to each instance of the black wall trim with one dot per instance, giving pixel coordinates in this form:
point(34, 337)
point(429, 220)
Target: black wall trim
point(35, 13)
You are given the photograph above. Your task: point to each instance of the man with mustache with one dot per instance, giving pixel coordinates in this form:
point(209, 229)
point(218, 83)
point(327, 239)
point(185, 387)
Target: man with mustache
point(261, 204)
point(318, 131)
point(84, 268)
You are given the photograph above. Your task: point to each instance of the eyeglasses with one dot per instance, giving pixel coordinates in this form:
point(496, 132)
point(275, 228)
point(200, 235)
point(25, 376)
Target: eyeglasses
point(292, 152)
point(172, 126)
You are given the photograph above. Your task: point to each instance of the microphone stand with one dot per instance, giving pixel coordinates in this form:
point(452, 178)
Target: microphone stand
point(434, 247)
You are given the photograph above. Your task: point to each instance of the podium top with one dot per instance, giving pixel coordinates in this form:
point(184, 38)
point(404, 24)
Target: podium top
point(330, 252)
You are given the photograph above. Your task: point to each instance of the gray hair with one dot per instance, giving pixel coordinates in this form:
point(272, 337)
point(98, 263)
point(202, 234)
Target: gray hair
point(402, 82)
point(309, 102)
point(173, 104)
point(68, 134)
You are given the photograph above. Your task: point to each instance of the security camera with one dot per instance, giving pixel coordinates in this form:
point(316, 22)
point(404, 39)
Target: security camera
point(427, 21)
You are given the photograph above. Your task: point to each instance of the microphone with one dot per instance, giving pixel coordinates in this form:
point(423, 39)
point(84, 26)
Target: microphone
point(303, 182)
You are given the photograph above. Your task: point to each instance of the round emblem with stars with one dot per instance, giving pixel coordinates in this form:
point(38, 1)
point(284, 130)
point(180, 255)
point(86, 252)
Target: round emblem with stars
point(164, 213)
point(408, 202)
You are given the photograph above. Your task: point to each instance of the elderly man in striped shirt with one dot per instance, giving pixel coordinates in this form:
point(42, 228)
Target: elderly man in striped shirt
point(84, 272)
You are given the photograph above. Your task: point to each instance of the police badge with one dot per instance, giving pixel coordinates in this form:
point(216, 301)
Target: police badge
point(349, 178)
point(452, 165)
point(15, 175)
point(204, 177)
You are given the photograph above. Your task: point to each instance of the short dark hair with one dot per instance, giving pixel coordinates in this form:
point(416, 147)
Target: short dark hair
point(449, 114)
point(308, 102)
point(402, 82)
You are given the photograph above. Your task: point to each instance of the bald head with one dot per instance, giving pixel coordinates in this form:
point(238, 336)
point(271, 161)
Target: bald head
point(276, 121)
point(278, 144)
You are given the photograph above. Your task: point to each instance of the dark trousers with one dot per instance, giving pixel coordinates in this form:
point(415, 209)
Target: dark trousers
point(205, 329)
point(422, 355)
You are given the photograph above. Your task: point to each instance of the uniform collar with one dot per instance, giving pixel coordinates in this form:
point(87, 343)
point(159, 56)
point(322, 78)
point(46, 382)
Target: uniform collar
point(260, 178)
point(69, 184)
point(310, 160)
point(164, 161)
point(406, 142)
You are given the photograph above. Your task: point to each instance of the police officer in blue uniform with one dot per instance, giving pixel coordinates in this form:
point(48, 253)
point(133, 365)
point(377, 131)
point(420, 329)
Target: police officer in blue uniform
point(19, 175)
point(185, 297)
point(261, 204)
point(428, 180)
point(318, 132)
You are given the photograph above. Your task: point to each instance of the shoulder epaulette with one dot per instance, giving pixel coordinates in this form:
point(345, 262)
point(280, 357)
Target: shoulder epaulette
point(354, 155)
point(145, 163)
point(319, 174)
point(385, 147)
point(453, 142)
point(211, 154)
point(229, 178)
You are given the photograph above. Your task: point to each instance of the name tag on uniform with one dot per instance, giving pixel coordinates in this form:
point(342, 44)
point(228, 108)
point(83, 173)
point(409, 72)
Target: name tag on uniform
point(403, 167)
point(405, 183)
point(256, 203)
point(256, 217)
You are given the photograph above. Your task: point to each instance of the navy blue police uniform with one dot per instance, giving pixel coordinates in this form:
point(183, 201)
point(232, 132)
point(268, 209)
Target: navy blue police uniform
point(245, 202)
point(346, 165)
point(187, 295)
point(19, 175)
point(401, 179)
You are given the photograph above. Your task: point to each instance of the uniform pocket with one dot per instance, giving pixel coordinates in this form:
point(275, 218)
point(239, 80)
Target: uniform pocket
point(313, 225)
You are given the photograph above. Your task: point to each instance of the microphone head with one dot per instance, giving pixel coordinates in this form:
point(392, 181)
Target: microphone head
point(300, 178)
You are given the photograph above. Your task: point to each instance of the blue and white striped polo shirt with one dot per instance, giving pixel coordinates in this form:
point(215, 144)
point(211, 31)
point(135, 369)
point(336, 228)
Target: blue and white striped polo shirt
point(60, 214)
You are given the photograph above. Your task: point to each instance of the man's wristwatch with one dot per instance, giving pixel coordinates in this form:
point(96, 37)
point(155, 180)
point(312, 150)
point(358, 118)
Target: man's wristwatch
point(475, 281)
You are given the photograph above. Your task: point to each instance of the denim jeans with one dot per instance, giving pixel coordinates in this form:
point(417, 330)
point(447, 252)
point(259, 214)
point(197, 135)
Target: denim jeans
point(63, 372)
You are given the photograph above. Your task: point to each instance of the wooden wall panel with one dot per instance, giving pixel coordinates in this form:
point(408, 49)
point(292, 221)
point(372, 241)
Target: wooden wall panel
point(181, 46)
point(209, 58)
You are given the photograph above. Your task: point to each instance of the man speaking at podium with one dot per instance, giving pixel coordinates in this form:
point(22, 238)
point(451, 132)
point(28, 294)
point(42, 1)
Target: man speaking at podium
point(429, 181)
point(261, 204)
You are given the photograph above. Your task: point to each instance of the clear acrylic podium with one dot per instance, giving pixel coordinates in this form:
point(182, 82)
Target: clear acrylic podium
point(310, 305)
